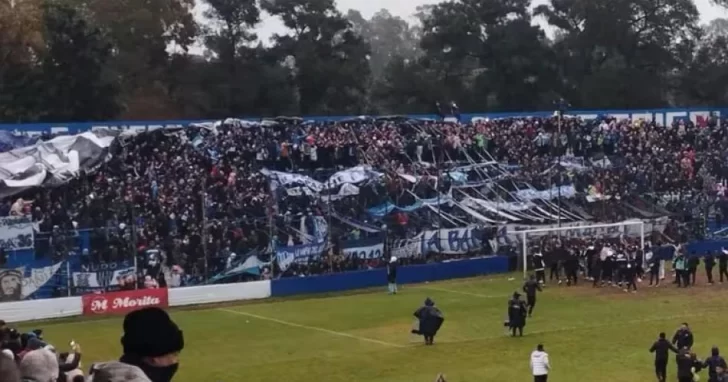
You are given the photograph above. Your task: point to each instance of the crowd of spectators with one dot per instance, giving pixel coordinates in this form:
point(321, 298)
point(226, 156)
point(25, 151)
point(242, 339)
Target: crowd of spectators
point(197, 194)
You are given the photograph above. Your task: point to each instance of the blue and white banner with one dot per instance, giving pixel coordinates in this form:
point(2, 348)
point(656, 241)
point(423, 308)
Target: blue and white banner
point(353, 175)
point(287, 255)
point(531, 194)
point(453, 241)
point(286, 179)
point(102, 280)
point(406, 248)
point(364, 249)
point(16, 232)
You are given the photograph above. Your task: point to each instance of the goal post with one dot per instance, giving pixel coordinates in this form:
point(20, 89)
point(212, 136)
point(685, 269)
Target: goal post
point(589, 230)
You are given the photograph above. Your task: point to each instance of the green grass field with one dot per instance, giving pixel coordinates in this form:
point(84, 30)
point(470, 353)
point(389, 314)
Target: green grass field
point(591, 334)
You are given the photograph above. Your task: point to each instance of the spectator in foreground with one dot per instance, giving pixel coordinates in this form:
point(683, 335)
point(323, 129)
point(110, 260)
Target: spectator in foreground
point(39, 365)
point(116, 372)
point(152, 342)
point(540, 365)
point(8, 370)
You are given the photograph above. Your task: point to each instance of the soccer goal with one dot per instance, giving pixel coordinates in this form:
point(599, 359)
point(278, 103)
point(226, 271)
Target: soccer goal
point(630, 228)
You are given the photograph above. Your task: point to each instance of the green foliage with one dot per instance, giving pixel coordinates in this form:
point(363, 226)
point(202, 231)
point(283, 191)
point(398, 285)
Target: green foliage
point(150, 59)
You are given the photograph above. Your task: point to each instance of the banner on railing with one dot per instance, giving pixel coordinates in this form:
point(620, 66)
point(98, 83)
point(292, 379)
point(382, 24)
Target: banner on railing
point(364, 249)
point(16, 232)
point(124, 302)
point(16, 285)
point(108, 280)
point(287, 255)
point(405, 248)
point(453, 241)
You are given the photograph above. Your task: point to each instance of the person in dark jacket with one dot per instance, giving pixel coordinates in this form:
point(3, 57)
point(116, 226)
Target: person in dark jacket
point(69, 362)
point(152, 342)
point(430, 320)
point(661, 348)
point(714, 364)
point(392, 275)
point(517, 312)
point(571, 268)
point(530, 288)
point(723, 264)
point(709, 261)
point(683, 337)
point(693, 263)
point(539, 266)
point(686, 362)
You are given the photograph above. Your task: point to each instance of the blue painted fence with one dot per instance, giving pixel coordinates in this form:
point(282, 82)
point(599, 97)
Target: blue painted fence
point(661, 116)
point(378, 277)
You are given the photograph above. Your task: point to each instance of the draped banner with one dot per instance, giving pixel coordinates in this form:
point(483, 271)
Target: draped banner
point(352, 176)
point(16, 232)
point(364, 249)
point(530, 194)
point(287, 255)
point(453, 241)
point(16, 285)
point(405, 248)
point(108, 280)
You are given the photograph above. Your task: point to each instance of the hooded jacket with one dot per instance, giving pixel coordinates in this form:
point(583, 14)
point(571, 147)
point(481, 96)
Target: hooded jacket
point(540, 363)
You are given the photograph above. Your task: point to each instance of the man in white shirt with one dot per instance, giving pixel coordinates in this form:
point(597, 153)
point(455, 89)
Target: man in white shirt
point(540, 366)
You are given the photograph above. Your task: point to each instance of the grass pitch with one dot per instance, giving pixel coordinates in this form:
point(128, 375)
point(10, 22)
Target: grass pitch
point(591, 334)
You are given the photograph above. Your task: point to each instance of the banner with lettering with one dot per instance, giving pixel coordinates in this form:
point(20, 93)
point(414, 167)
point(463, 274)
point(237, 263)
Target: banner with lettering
point(405, 248)
point(108, 280)
point(287, 255)
point(364, 249)
point(16, 232)
point(16, 284)
point(453, 241)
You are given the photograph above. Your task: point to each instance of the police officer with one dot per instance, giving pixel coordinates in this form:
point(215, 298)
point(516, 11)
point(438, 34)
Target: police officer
point(539, 266)
point(713, 364)
point(630, 275)
point(683, 337)
point(530, 287)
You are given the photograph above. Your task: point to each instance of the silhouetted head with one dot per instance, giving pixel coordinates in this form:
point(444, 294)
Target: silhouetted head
point(715, 351)
point(662, 335)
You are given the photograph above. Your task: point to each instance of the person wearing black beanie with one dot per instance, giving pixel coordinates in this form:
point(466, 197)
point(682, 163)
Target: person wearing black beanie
point(152, 342)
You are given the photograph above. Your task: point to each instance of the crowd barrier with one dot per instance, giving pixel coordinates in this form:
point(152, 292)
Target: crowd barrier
point(378, 277)
point(122, 302)
point(661, 116)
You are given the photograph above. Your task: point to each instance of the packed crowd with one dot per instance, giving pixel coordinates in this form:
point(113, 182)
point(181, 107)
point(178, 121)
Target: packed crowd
point(151, 344)
point(198, 195)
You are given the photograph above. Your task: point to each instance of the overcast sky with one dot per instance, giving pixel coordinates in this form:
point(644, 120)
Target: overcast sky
point(406, 8)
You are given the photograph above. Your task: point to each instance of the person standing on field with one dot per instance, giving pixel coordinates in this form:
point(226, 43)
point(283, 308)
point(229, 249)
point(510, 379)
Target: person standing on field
point(683, 337)
point(530, 288)
point(392, 275)
point(709, 261)
point(661, 348)
point(540, 365)
point(723, 265)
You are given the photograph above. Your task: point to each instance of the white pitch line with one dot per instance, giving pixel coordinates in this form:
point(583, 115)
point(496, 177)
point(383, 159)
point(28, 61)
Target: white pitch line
point(460, 292)
point(314, 328)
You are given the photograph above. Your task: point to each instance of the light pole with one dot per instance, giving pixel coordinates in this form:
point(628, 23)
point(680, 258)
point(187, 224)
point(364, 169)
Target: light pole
point(561, 107)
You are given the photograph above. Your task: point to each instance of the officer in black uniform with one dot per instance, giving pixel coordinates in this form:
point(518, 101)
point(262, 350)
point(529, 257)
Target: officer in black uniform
point(709, 261)
point(661, 348)
point(539, 266)
point(530, 288)
point(723, 264)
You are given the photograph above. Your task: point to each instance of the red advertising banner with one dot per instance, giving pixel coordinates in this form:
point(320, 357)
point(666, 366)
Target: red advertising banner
point(124, 302)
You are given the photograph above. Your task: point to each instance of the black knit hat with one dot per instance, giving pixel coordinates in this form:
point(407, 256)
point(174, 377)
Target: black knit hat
point(150, 332)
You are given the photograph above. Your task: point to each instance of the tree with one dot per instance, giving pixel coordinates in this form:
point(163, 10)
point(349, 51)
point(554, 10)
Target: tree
point(621, 53)
point(388, 36)
point(228, 37)
point(21, 43)
point(328, 61)
point(141, 32)
point(488, 54)
point(77, 86)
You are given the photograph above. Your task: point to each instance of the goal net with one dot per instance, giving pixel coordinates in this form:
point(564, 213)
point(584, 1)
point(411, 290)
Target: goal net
point(532, 240)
